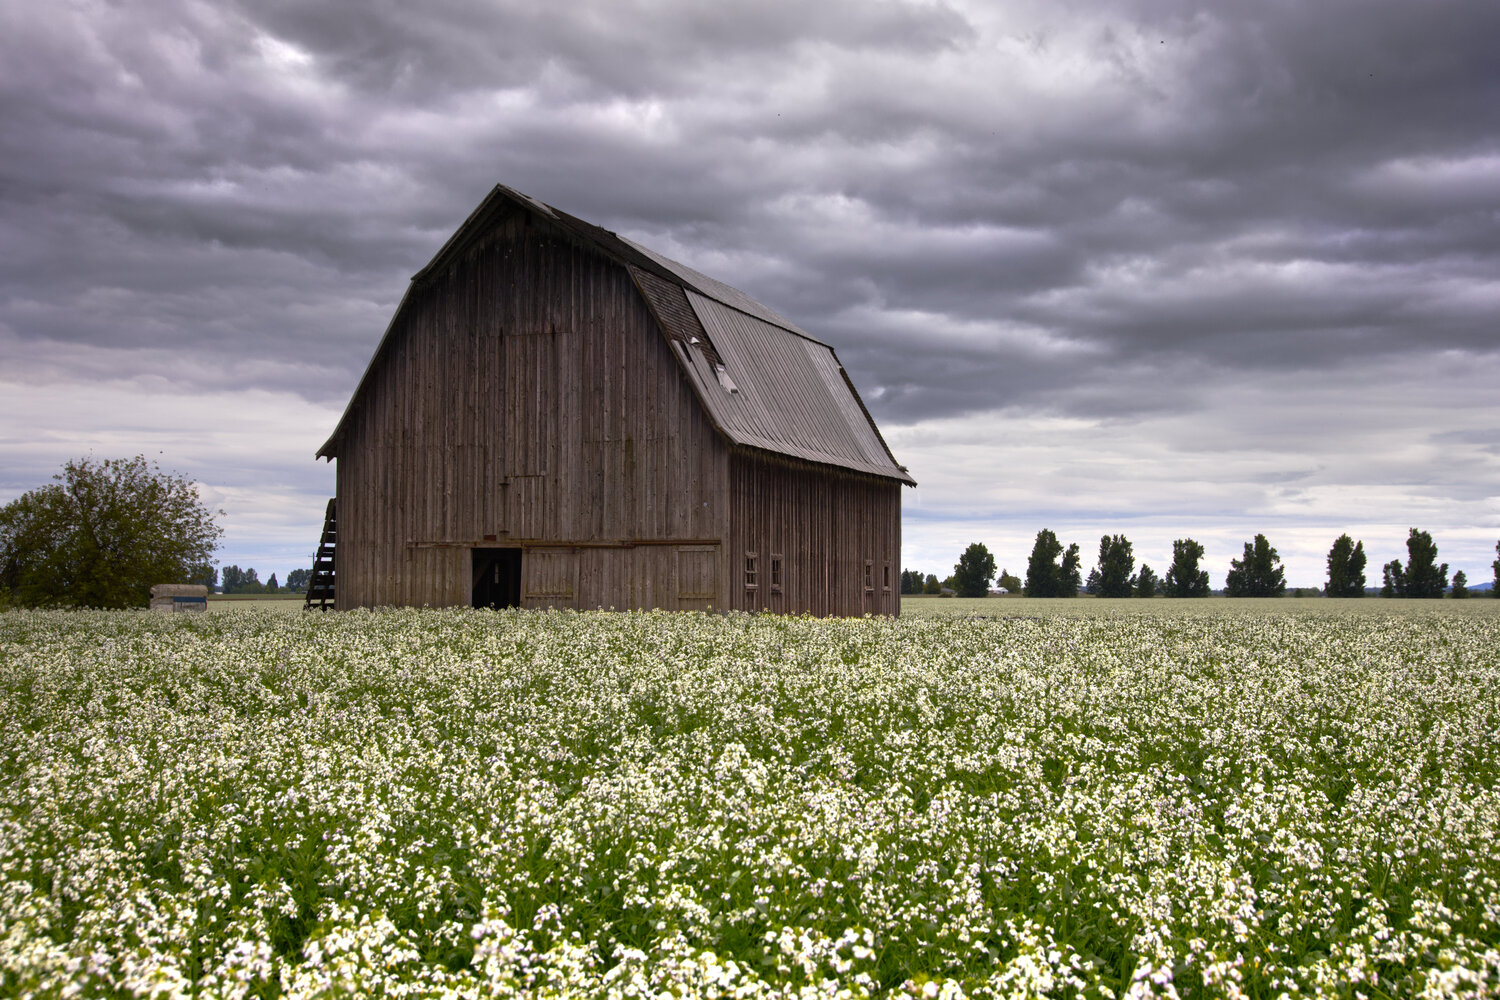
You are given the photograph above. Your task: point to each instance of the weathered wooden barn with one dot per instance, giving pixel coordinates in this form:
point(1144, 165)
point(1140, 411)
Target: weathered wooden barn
point(557, 416)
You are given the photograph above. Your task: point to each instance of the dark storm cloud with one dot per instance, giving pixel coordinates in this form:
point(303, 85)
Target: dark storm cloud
point(1122, 213)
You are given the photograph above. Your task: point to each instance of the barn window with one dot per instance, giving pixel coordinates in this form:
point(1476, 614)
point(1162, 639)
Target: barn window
point(869, 576)
point(775, 572)
point(887, 578)
point(750, 576)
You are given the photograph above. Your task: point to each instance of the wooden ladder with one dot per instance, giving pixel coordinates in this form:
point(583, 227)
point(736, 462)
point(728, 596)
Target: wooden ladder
point(320, 587)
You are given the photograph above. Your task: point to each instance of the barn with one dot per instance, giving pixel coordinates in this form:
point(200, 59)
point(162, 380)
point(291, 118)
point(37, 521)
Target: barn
point(559, 417)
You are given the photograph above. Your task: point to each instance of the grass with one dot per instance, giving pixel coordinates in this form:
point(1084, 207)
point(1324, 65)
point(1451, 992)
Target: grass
point(1077, 798)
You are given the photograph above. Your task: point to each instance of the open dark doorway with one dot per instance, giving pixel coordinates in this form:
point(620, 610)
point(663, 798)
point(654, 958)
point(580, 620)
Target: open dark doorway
point(497, 578)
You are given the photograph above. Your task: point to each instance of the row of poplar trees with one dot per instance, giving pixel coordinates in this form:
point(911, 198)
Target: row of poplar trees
point(1054, 571)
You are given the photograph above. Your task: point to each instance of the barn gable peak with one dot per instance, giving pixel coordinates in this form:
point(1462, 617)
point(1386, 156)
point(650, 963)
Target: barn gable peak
point(766, 384)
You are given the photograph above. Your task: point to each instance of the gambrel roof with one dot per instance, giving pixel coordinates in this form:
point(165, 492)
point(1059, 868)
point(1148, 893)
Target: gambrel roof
point(764, 382)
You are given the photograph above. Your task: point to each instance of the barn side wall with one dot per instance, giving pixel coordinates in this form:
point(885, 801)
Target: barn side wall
point(814, 534)
point(528, 400)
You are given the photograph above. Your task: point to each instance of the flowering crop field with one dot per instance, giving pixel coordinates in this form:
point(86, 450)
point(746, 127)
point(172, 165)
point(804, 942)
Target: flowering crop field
point(470, 803)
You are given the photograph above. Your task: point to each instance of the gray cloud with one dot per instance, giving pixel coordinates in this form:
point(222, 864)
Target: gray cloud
point(1120, 214)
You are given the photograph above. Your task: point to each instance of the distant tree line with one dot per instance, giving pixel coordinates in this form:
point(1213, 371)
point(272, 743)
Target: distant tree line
point(1053, 571)
point(247, 581)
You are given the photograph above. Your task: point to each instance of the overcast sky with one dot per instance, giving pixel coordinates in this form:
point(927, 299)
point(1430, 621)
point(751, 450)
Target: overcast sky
point(1095, 266)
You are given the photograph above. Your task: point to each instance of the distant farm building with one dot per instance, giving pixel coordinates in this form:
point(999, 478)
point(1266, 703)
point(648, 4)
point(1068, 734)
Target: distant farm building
point(559, 417)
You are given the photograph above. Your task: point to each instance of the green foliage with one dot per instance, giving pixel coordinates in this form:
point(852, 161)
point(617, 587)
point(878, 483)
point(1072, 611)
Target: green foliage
point(1116, 563)
point(932, 586)
point(207, 575)
point(1258, 573)
point(974, 571)
point(1460, 585)
point(298, 579)
point(1184, 578)
point(432, 803)
point(1009, 582)
point(1424, 578)
point(1346, 568)
point(1393, 579)
point(1045, 576)
point(102, 535)
point(1146, 583)
point(242, 581)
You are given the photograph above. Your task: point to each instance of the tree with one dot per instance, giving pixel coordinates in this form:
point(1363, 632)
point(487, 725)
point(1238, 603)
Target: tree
point(102, 535)
point(298, 579)
point(1045, 577)
point(1145, 582)
point(1346, 568)
point(1258, 573)
point(1009, 583)
point(271, 585)
point(932, 586)
point(207, 575)
point(1184, 578)
point(241, 581)
point(1423, 577)
point(1091, 585)
point(974, 571)
point(1393, 583)
point(1116, 562)
point(1460, 585)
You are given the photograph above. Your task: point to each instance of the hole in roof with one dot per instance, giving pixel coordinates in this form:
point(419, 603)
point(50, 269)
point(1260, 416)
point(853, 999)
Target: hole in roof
point(724, 379)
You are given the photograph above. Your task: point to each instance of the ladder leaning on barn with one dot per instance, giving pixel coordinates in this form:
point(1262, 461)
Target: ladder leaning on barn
point(320, 587)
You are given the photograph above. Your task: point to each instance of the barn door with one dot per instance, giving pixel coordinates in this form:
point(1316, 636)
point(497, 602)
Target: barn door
point(697, 577)
point(497, 578)
point(551, 578)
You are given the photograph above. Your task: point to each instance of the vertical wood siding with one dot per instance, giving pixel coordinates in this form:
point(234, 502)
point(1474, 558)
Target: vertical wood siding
point(824, 525)
point(527, 395)
point(528, 399)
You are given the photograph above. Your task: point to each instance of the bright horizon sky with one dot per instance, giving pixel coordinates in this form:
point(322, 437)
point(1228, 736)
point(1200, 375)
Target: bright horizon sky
point(1098, 267)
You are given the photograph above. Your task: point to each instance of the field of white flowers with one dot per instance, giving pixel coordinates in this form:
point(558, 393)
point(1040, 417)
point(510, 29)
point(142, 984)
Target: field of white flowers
point(466, 803)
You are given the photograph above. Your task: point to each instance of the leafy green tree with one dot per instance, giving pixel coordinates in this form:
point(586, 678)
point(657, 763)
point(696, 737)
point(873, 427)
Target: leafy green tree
point(1460, 585)
point(102, 535)
point(1346, 568)
point(1393, 582)
point(1145, 581)
point(974, 571)
point(1091, 585)
point(271, 585)
point(932, 586)
point(242, 581)
point(1116, 563)
point(1045, 576)
point(1184, 578)
point(1424, 578)
point(1009, 582)
point(298, 579)
point(206, 575)
point(1258, 573)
